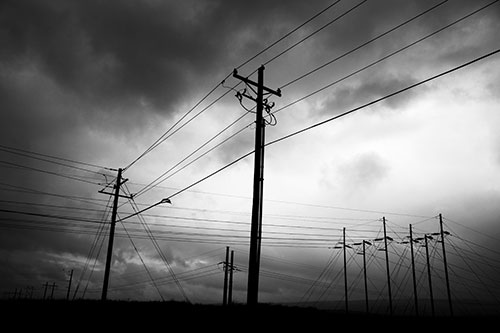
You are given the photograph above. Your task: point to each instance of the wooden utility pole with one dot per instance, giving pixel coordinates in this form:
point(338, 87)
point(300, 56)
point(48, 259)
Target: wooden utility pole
point(53, 286)
point(69, 285)
point(413, 272)
point(387, 267)
point(231, 270)
point(345, 273)
point(226, 268)
point(364, 274)
point(445, 265)
point(46, 285)
point(258, 183)
point(116, 194)
point(429, 273)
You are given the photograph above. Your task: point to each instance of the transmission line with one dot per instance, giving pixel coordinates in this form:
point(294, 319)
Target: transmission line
point(419, 83)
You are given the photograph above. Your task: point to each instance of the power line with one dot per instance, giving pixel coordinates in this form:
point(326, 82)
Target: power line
point(152, 184)
point(324, 122)
point(384, 97)
point(50, 216)
point(381, 59)
point(315, 32)
point(49, 172)
point(363, 44)
point(7, 148)
point(288, 34)
point(163, 137)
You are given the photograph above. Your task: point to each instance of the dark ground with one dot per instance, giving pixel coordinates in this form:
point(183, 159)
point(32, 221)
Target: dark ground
point(174, 316)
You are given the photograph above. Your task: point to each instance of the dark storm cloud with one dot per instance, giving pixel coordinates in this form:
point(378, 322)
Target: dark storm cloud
point(349, 96)
point(122, 51)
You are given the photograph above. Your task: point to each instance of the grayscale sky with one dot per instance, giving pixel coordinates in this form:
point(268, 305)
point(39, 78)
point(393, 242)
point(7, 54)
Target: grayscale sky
point(100, 81)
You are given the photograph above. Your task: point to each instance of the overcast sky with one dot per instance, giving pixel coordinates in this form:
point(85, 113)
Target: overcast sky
point(99, 81)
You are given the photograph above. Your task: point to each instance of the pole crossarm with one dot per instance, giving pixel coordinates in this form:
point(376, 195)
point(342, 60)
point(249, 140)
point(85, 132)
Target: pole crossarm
point(255, 84)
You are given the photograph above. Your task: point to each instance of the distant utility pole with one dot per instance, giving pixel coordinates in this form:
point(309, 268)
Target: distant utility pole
point(413, 272)
point(429, 272)
point(364, 274)
point(345, 273)
point(119, 182)
point(230, 292)
point(53, 286)
point(258, 182)
point(445, 264)
point(46, 285)
point(226, 268)
point(387, 267)
point(69, 285)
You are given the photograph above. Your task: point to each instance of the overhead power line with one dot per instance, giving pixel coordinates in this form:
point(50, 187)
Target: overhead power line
point(315, 31)
point(419, 40)
point(378, 100)
point(384, 97)
point(34, 155)
point(49, 172)
point(363, 44)
point(163, 137)
point(355, 49)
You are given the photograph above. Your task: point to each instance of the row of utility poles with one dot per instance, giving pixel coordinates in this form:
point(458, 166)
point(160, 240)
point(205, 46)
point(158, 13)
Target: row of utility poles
point(47, 287)
point(257, 208)
point(411, 241)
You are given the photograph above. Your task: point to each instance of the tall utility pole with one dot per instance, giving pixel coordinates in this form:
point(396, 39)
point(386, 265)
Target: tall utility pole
point(53, 286)
point(258, 183)
point(445, 264)
point(413, 272)
point(364, 273)
point(226, 268)
point(46, 285)
point(387, 266)
point(345, 274)
point(119, 182)
point(429, 273)
point(69, 285)
point(230, 291)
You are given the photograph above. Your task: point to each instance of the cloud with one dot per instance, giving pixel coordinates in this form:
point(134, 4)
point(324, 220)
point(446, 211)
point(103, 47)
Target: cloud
point(349, 96)
point(363, 171)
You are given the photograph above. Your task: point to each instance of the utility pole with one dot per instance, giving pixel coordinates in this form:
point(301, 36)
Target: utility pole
point(387, 266)
point(69, 285)
point(445, 264)
point(226, 268)
point(231, 267)
point(413, 272)
point(119, 182)
point(46, 285)
point(364, 273)
point(345, 274)
point(53, 286)
point(429, 273)
point(258, 182)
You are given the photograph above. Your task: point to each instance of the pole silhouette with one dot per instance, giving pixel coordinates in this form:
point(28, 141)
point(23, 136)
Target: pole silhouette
point(413, 272)
point(429, 274)
point(69, 285)
point(445, 265)
point(109, 256)
point(387, 267)
point(258, 183)
point(364, 274)
point(226, 268)
point(231, 271)
point(345, 274)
